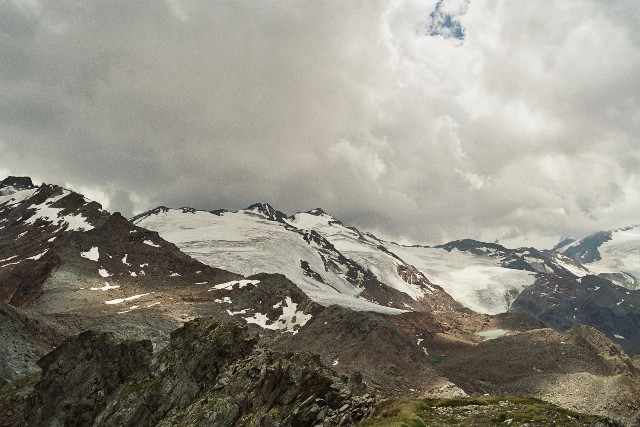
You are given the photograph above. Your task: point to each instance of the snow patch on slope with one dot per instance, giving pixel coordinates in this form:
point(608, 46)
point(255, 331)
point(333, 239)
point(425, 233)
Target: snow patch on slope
point(92, 254)
point(289, 320)
point(45, 212)
point(229, 285)
point(121, 300)
point(9, 196)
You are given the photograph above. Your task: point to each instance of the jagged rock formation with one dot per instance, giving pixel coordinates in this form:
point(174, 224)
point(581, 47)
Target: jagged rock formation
point(210, 374)
point(25, 338)
point(78, 377)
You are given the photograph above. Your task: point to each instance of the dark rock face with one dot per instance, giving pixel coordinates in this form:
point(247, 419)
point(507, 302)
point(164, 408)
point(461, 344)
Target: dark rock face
point(25, 338)
point(268, 211)
point(563, 302)
point(17, 182)
point(388, 358)
point(78, 377)
point(210, 374)
point(586, 250)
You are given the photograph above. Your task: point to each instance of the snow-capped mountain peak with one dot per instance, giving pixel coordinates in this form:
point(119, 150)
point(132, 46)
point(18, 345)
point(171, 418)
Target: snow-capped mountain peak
point(318, 212)
point(614, 255)
point(332, 263)
point(266, 210)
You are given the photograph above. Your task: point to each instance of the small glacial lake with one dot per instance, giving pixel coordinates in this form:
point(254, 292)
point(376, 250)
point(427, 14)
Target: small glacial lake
point(492, 334)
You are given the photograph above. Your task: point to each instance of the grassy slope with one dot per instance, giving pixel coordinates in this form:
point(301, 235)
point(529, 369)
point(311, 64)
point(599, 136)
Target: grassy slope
point(477, 412)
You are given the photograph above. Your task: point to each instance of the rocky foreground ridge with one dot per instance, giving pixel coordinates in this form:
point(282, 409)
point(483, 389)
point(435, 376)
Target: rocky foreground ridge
point(211, 373)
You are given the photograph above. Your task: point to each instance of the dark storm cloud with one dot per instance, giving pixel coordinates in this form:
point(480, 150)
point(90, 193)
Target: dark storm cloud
point(526, 128)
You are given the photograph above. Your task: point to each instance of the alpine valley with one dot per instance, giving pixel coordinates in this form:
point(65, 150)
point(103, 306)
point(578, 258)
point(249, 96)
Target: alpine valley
point(181, 316)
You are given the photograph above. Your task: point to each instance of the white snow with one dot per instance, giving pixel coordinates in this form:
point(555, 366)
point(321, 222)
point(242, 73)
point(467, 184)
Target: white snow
point(8, 259)
point(124, 260)
point(121, 300)
point(359, 249)
point(104, 273)
point(225, 300)
point(46, 212)
point(106, 287)
point(201, 283)
point(174, 275)
point(40, 255)
point(620, 337)
point(621, 254)
point(133, 307)
point(150, 243)
point(567, 263)
point(154, 304)
point(92, 254)
point(9, 196)
point(335, 362)
point(247, 244)
point(478, 282)
point(288, 320)
point(133, 274)
point(229, 285)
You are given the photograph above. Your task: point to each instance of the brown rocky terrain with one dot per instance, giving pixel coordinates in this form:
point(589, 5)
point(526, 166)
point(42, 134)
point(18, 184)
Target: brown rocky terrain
point(210, 374)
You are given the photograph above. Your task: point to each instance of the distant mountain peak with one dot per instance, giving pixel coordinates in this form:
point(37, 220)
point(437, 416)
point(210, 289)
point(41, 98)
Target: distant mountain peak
point(471, 245)
point(268, 211)
point(18, 182)
point(317, 212)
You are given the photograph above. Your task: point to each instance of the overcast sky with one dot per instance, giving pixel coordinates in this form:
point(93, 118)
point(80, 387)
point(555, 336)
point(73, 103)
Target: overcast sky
point(422, 121)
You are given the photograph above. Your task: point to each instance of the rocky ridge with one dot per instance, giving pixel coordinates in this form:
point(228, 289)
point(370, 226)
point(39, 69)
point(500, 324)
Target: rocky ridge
point(210, 374)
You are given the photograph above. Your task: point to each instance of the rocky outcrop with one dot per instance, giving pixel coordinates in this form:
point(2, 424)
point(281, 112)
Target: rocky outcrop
point(25, 338)
point(564, 302)
point(79, 376)
point(210, 374)
point(17, 182)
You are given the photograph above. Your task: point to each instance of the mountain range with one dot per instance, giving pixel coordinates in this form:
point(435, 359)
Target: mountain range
point(181, 315)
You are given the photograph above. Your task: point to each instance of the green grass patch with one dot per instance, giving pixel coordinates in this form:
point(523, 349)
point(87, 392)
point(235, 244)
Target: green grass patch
point(477, 412)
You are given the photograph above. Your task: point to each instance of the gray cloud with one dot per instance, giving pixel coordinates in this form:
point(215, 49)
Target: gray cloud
point(527, 129)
